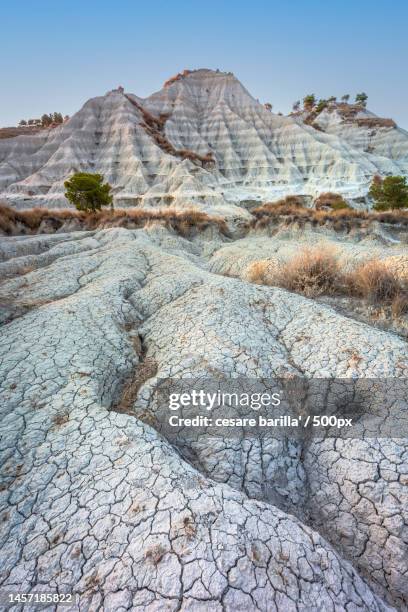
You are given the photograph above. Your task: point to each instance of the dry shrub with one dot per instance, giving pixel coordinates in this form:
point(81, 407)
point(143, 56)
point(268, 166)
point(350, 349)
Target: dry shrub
point(261, 272)
point(375, 281)
point(317, 271)
point(348, 111)
point(256, 272)
point(399, 305)
point(181, 221)
point(284, 205)
point(375, 122)
point(7, 219)
point(189, 527)
point(341, 219)
point(12, 132)
point(333, 201)
point(379, 284)
point(314, 271)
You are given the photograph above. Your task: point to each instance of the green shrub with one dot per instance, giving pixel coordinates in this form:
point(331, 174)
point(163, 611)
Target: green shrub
point(331, 200)
point(361, 99)
point(321, 105)
point(87, 192)
point(389, 193)
point(309, 101)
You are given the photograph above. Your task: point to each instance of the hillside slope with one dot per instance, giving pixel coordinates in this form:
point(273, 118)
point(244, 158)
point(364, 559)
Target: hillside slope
point(202, 138)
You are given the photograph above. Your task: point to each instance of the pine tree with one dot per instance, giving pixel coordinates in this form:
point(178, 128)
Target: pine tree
point(87, 192)
point(361, 99)
point(309, 101)
point(389, 193)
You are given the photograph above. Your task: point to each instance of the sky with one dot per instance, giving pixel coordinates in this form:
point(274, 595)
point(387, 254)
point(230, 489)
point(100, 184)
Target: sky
point(56, 55)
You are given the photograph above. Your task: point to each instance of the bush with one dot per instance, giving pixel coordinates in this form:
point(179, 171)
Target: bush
point(316, 271)
point(309, 101)
point(375, 281)
point(183, 222)
point(334, 201)
point(361, 99)
point(312, 272)
point(87, 192)
point(261, 272)
point(321, 105)
point(399, 306)
point(389, 193)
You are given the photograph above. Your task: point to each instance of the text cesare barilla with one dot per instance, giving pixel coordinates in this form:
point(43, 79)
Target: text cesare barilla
point(254, 401)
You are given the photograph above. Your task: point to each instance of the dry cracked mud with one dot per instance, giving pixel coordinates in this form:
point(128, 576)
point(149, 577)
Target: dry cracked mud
point(97, 502)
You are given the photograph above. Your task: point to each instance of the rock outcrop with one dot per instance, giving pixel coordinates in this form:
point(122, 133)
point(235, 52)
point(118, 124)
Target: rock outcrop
point(203, 138)
point(96, 501)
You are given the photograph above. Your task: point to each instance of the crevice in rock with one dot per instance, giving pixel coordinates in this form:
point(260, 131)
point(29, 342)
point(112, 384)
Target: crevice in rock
point(145, 369)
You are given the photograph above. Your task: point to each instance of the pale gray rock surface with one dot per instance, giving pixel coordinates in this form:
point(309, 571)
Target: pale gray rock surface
point(99, 503)
point(137, 145)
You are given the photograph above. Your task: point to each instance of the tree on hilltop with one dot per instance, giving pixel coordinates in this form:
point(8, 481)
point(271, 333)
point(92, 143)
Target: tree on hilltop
point(345, 98)
point(309, 101)
point(57, 118)
point(46, 120)
point(321, 105)
point(361, 99)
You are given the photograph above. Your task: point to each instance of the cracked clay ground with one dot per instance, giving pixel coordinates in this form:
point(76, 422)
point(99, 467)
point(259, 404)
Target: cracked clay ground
point(97, 502)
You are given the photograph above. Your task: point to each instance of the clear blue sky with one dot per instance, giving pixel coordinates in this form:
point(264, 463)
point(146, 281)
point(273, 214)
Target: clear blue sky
point(55, 55)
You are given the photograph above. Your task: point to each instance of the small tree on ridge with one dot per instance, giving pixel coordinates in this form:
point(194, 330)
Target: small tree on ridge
point(361, 99)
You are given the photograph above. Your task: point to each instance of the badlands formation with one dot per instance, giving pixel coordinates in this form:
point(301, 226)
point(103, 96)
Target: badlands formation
point(203, 138)
point(94, 499)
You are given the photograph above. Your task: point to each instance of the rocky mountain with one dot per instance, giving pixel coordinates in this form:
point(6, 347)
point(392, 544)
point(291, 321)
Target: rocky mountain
point(202, 138)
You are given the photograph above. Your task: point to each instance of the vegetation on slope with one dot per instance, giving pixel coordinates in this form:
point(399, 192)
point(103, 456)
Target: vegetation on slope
point(88, 192)
point(390, 193)
point(44, 220)
point(290, 210)
point(316, 271)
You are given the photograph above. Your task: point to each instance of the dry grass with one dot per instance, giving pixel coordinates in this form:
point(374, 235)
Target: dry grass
point(176, 77)
point(60, 419)
point(374, 281)
point(12, 132)
point(312, 272)
point(342, 219)
point(347, 111)
point(378, 284)
point(261, 272)
point(317, 271)
point(144, 371)
point(183, 222)
point(399, 305)
point(155, 554)
point(375, 122)
point(333, 201)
